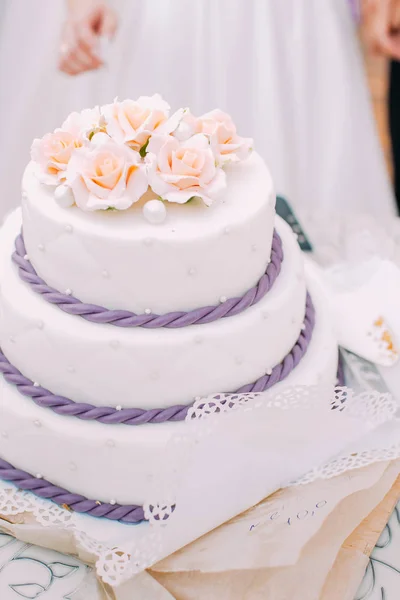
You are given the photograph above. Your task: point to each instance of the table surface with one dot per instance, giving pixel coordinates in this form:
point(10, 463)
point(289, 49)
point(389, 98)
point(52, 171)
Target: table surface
point(28, 571)
point(382, 577)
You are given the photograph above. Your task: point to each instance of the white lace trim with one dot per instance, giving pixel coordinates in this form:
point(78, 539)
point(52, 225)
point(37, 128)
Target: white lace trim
point(114, 563)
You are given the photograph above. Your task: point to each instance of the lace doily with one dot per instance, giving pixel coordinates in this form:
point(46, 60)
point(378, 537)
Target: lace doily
point(121, 551)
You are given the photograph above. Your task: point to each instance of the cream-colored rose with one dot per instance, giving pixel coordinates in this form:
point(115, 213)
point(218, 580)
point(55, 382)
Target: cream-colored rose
point(227, 145)
point(181, 171)
point(106, 176)
point(84, 124)
point(132, 122)
point(52, 154)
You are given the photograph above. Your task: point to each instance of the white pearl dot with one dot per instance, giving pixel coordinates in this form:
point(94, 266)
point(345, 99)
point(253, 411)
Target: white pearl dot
point(36, 384)
point(269, 371)
point(197, 399)
point(98, 502)
point(113, 502)
point(41, 247)
point(68, 228)
point(265, 314)
point(148, 242)
point(105, 274)
point(114, 343)
point(40, 324)
point(148, 311)
point(26, 257)
point(155, 212)
point(37, 423)
point(227, 230)
point(254, 247)
point(12, 339)
point(239, 360)
point(110, 443)
point(223, 299)
point(268, 261)
point(39, 476)
point(4, 434)
point(71, 369)
point(64, 196)
point(24, 195)
point(72, 466)
point(198, 339)
point(119, 407)
point(296, 235)
point(68, 292)
point(303, 327)
point(192, 271)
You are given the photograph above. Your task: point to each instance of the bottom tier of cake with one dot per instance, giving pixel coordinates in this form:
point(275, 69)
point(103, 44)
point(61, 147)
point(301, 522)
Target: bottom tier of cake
point(119, 462)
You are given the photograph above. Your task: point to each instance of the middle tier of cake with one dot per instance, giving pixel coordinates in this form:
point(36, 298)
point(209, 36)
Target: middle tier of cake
point(105, 365)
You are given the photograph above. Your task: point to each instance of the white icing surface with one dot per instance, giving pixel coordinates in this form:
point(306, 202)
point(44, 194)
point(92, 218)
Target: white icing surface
point(118, 461)
point(190, 260)
point(146, 368)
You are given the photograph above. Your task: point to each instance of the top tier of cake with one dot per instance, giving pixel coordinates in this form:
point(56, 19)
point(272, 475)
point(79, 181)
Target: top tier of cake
point(129, 208)
point(120, 260)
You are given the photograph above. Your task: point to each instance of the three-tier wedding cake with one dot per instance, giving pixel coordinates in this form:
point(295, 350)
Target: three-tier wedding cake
point(147, 270)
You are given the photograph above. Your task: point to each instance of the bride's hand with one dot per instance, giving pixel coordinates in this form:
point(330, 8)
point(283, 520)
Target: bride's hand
point(382, 26)
point(88, 21)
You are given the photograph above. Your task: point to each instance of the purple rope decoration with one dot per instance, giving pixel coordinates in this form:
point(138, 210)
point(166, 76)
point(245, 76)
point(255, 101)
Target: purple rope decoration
point(125, 318)
point(40, 487)
point(138, 416)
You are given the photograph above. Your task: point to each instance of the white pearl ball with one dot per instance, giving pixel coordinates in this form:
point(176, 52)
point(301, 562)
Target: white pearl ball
point(64, 196)
point(154, 212)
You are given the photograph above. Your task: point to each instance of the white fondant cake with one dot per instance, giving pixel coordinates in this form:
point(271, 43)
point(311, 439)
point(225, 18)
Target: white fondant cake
point(119, 260)
point(188, 227)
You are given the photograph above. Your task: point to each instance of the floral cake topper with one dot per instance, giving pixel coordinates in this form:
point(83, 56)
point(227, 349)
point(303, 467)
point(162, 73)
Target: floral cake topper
point(108, 157)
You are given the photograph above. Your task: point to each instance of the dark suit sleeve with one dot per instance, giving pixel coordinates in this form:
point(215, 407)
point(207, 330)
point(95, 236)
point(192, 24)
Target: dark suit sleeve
point(394, 120)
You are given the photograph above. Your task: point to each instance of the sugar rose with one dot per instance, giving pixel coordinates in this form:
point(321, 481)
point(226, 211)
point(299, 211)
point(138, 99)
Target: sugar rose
point(52, 154)
point(179, 171)
point(106, 176)
point(227, 145)
point(132, 122)
point(85, 123)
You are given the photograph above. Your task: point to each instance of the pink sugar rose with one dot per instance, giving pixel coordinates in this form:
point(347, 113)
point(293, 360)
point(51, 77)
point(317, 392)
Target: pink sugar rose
point(83, 124)
point(227, 145)
point(132, 122)
point(53, 152)
point(105, 176)
point(180, 171)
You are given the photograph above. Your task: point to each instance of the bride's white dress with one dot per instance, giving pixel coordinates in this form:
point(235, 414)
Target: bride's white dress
point(289, 71)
